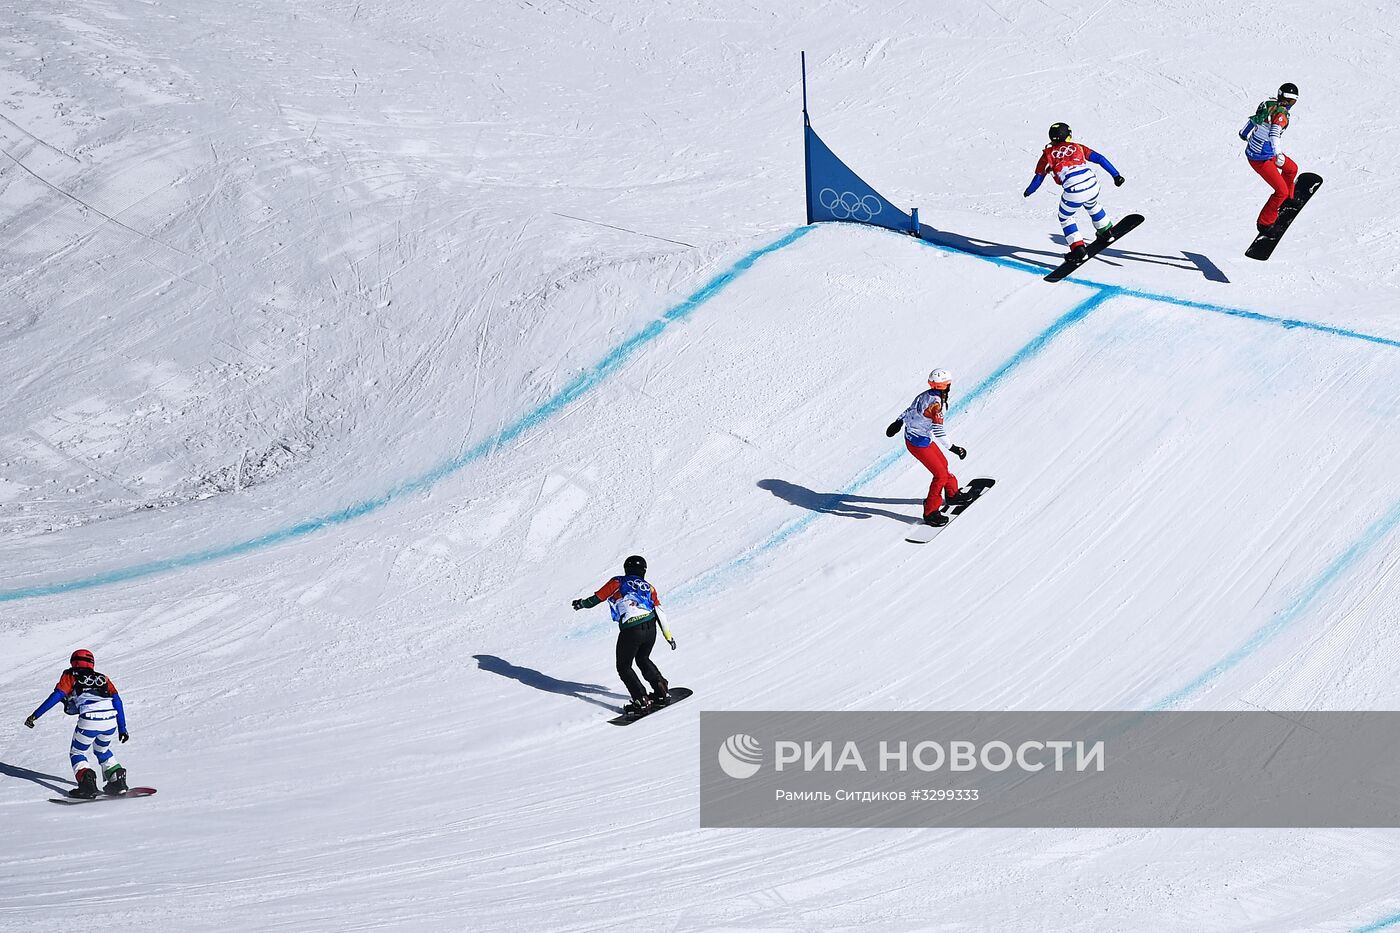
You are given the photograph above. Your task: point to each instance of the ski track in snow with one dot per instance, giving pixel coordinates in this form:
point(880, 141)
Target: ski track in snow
point(263, 264)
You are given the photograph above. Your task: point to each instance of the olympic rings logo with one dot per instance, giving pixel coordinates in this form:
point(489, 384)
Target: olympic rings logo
point(847, 205)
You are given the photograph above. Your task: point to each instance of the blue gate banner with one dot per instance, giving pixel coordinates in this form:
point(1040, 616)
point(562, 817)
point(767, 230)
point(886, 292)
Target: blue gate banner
point(834, 192)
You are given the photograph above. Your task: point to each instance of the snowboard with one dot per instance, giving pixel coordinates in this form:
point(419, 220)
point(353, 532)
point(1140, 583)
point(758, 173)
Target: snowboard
point(923, 534)
point(1120, 229)
point(674, 696)
point(1304, 186)
point(131, 792)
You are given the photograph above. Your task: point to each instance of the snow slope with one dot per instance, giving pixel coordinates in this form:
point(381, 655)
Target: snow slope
point(345, 343)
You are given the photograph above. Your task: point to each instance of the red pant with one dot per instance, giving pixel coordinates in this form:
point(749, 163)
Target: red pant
point(1281, 180)
point(944, 482)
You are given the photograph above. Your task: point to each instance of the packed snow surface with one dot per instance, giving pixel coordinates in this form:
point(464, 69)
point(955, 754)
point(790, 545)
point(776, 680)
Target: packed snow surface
point(345, 342)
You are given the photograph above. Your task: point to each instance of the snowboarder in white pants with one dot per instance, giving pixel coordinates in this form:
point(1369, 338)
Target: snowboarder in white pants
point(93, 698)
point(1069, 162)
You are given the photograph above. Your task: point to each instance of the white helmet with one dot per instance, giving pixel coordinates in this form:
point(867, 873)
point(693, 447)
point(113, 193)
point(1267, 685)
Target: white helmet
point(940, 379)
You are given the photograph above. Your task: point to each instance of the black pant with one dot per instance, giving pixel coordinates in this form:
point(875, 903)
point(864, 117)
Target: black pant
point(634, 643)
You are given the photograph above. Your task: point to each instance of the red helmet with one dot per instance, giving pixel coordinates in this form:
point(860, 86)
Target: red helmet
point(81, 658)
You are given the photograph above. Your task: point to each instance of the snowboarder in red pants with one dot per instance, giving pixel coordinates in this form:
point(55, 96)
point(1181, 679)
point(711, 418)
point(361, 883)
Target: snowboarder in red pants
point(1263, 135)
point(926, 439)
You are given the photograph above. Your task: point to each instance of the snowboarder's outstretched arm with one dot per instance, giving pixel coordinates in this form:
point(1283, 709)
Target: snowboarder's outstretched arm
point(54, 699)
point(1042, 168)
point(1101, 160)
point(606, 590)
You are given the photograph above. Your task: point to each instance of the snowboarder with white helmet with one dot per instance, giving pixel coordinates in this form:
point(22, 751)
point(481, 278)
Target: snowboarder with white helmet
point(93, 698)
point(1263, 136)
point(925, 437)
point(636, 608)
point(1069, 162)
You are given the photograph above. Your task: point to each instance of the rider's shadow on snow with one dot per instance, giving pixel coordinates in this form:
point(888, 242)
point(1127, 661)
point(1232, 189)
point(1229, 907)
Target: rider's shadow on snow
point(38, 777)
point(1188, 262)
point(979, 247)
point(837, 503)
point(541, 681)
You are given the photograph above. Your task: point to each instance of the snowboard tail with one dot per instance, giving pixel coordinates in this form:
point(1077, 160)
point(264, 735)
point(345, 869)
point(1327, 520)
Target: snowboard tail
point(131, 792)
point(673, 696)
point(923, 533)
point(1304, 186)
point(1124, 226)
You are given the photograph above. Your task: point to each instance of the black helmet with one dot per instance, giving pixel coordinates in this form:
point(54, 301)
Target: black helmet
point(635, 566)
point(1059, 132)
point(1288, 92)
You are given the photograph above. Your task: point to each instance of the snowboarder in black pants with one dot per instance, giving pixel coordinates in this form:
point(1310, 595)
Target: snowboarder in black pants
point(636, 608)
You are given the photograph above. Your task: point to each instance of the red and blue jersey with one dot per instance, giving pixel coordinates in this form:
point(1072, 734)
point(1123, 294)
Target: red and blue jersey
point(631, 598)
point(1070, 164)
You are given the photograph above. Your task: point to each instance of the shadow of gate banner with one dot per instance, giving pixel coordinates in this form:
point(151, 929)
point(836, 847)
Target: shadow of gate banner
point(834, 192)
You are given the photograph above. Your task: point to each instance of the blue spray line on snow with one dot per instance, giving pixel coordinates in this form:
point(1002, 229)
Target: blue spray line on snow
point(1372, 536)
point(1287, 323)
point(1385, 923)
point(552, 406)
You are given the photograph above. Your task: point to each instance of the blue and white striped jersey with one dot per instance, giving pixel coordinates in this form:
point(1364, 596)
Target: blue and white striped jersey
point(1263, 132)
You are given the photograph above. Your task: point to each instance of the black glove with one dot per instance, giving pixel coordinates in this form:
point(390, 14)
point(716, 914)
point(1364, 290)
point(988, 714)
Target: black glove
point(1118, 181)
point(29, 721)
point(960, 451)
point(577, 604)
point(672, 643)
point(123, 736)
point(894, 427)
